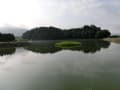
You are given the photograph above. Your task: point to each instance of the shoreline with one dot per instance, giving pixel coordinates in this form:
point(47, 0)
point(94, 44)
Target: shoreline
point(114, 40)
point(24, 43)
point(13, 44)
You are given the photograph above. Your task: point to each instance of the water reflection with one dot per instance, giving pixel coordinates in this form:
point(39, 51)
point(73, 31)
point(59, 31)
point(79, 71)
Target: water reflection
point(26, 70)
point(87, 46)
point(7, 51)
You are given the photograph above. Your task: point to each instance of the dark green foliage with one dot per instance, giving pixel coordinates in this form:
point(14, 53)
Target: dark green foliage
point(86, 46)
point(6, 37)
point(43, 33)
point(53, 33)
point(102, 34)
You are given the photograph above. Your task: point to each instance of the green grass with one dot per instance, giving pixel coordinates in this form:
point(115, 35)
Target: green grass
point(67, 44)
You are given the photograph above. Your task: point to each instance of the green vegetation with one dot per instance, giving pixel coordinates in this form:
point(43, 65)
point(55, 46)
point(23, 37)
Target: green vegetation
point(86, 46)
point(6, 37)
point(9, 40)
point(53, 33)
point(68, 44)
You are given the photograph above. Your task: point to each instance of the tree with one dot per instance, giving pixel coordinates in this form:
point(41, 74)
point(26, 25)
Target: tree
point(7, 37)
point(53, 33)
point(102, 34)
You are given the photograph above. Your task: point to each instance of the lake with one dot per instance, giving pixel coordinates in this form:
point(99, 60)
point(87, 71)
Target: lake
point(95, 65)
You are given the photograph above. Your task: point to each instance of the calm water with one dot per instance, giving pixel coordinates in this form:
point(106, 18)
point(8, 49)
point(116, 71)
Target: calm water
point(41, 66)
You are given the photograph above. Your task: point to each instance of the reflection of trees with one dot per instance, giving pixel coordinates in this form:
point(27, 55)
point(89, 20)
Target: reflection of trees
point(47, 47)
point(7, 51)
point(92, 46)
point(87, 46)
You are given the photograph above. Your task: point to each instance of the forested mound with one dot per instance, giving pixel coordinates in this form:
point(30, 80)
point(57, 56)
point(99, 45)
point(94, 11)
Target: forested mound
point(53, 33)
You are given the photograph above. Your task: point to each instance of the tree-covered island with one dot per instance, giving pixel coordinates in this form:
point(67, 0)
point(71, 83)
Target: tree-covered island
point(53, 33)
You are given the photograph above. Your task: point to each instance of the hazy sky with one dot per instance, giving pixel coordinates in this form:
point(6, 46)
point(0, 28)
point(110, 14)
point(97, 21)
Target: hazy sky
point(61, 13)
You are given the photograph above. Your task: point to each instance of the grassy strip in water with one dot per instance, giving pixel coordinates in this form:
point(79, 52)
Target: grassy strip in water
point(67, 44)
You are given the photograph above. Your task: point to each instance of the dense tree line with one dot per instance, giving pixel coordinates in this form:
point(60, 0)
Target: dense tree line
point(48, 33)
point(6, 37)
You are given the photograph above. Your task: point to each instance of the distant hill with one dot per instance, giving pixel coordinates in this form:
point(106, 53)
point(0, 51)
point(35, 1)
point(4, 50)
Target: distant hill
point(17, 31)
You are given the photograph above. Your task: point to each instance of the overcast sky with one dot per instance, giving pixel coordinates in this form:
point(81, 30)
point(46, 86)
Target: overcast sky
point(61, 13)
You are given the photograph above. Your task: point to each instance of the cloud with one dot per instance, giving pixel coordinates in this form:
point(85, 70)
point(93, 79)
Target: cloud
point(17, 31)
point(61, 13)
